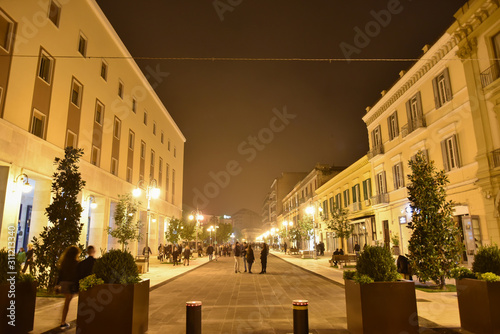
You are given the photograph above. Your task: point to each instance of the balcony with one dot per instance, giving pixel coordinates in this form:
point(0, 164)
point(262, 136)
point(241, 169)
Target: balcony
point(376, 150)
point(413, 125)
point(495, 158)
point(380, 199)
point(490, 74)
point(356, 207)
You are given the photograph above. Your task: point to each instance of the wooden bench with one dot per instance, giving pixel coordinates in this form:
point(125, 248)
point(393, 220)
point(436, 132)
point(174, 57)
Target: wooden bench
point(343, 258)
point(293, 251)
point(307, 254)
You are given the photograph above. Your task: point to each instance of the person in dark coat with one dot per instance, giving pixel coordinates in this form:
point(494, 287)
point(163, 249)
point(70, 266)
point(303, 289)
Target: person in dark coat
point(250, 258)
point(244, 254)
point(187, 255)
point(285, 246)
point(210, 252)
point(68, 279)
point(263, 258)
point(403, 266)
point(85, 267)
point(175, 254)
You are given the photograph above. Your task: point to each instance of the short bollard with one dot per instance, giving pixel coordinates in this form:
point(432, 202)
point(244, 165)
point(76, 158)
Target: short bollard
point(193, 317)
point(300, 317)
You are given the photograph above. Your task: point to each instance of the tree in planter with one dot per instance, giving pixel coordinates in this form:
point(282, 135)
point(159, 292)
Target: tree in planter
point(173, 230)
point(64, 215)
point(126, 229)
point(339, 224)
point(302, 230)
point(434, 245)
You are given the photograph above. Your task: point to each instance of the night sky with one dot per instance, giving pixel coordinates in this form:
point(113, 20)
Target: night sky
point(221, 105)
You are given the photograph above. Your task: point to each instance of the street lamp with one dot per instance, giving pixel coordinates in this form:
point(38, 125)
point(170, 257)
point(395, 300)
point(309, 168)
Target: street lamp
point(199, 217)
point(310, 211)
point(152, 192)
point(25, 186)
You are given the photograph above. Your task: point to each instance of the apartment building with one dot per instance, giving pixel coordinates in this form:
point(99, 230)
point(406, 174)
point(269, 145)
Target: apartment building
point(66, 79)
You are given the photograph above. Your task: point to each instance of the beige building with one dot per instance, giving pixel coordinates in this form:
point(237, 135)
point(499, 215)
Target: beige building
point(447, 105)
point(66, 79)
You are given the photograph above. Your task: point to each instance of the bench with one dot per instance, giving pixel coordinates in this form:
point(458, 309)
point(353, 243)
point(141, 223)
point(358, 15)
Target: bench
point(307, 254)
point(140, 262)
point(343, 258)
point(293, 251)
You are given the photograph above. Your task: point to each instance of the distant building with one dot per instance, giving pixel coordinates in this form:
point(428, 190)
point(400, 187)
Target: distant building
point(58, 89)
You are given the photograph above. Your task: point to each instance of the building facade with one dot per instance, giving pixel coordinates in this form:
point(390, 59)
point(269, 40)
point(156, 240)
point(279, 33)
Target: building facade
point(66, 79)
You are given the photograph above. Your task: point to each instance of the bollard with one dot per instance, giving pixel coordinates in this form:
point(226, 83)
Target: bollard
point(193, 317)
point(300, 317)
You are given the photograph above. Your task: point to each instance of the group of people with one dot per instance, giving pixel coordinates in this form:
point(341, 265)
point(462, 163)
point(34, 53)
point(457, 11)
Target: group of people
point(175, 252)
point(245, 252)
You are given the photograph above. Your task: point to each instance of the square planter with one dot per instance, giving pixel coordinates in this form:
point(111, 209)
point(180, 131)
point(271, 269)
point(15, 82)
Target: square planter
point(25, 300)
point(479, 305)
point(381, 307)
point(114, 308)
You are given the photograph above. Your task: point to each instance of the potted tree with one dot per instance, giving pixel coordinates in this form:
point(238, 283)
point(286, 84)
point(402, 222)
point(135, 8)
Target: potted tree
point(114, 299)
point(395, 244)
point(478, 292)
point(376, 300)
point(17, 296)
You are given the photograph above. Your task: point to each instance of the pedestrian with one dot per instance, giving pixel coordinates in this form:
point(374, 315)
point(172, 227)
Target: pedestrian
point(187, 254)
point(21, 256)
point(322, 248)
point(160, 253)
point(85, 267)
point(244, 255)
point(263, 258)
point(30, 262)
point(250, 258)
point(175, 254)
point(146, 253)
point(68, 279)
point(404, 268)
point(285, 246)
point(200, 251)
point(237, 257)
point(210, 251)
point(357, 249)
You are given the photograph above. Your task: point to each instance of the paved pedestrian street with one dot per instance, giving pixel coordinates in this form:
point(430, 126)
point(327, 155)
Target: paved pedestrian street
point(248, 303)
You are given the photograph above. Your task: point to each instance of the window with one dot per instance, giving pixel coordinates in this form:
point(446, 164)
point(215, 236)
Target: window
point(376, 137)
point(167, 170)
point(160, 171)
point(347, 200)
point(76, 93)
point(145, 118)
point(426, 155)
point(134, 105)
point(332, 203)
point(45, 67)
point(162, 136)
point(71, 139)
point(114, 166)
point(120, 89)
point(152, 163)
point(168, 145)
point(104, 70)
point(95, 156)
point(154, 128)
point(442, 88)
point(6, 27)
point(38, 124)
point(381, 183)
point(367, 189)
point(99, 112)
point(338, 200)
point(414, 112)
point(325, 209)
point(173, 185)
point(131, 140)
point(175, 151)
point(54, 13)
point(398, 176)
point(129, 174)
point(393, 125)
point(82, 45)
point(143, 150)
point(356, 197)
point(117, 128)
point(450, 151)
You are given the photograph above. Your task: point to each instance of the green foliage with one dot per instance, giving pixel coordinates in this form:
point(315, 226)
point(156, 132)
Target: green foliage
point(487, 260)
point(378, 264)
point(64, 215)
point(116, 266)
point(461, 273)
point(339, 223)
point(363, 279)
point(395, 240)
point(188, 230)
point(489, 277)
point(349, 274)
point(8, 265)
point(224, 232)
point(90, 281)
point(126, 229)
point(172, 234)
point(435, 248)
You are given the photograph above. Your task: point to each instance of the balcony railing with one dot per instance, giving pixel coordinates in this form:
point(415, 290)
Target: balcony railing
point(356, 206)
point(376, 150)
point(490, 74)
point(380, 199)
point(495, 158)
point(411, 126)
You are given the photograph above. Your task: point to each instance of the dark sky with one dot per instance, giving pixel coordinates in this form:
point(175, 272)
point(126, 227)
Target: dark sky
point(218, 105)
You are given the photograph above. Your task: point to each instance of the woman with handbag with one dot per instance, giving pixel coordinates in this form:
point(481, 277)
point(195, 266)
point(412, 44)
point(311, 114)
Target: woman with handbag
point(68, 279)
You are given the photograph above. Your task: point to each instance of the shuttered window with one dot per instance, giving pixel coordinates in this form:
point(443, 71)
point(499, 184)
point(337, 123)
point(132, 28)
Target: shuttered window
point(442, 88)
point(398, 175)
point(451, 153)
point(393, 125)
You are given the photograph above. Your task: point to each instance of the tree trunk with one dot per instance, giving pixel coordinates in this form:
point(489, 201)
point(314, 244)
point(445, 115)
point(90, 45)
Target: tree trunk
point(442, 285)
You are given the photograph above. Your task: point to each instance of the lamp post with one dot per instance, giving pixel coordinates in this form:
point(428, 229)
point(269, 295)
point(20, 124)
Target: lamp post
point(152, 192)
point(199, 217)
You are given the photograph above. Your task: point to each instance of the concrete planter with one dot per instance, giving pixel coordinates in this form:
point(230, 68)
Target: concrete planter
point(381, 307)
point(114, 308)
point(25, 300)
point(479, 305)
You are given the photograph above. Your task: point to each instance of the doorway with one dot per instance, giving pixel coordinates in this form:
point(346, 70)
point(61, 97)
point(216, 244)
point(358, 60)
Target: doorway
point(387, 234)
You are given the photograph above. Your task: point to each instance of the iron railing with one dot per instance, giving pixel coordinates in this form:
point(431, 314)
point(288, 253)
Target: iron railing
point(490, 74)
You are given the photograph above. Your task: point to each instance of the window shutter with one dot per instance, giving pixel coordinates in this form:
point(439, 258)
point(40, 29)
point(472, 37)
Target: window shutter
point(408, 116)
point(391, 135)
point(373, 139)
point(384, 180)
point(379, 142)
point(419, 104)
point(402, 174)
point(457, 151)
point(395, 176)
point(445, 156)
point(447, 82)
point(437, 100)
point(365, 190)
point(397, 124)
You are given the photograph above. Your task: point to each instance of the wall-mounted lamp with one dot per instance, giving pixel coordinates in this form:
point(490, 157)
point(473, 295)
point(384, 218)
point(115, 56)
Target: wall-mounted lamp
point(91, 199)
point(26, 187)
